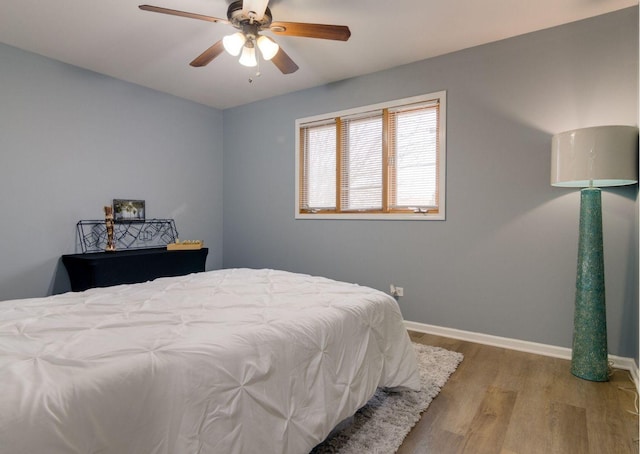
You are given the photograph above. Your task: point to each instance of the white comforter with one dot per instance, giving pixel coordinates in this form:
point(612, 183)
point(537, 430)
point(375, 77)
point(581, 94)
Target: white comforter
point(230, 361)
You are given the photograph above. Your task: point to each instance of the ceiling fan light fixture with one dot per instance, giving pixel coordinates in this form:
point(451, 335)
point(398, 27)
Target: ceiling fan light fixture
point(268, 47)
point(233, 43)
point(248, 57)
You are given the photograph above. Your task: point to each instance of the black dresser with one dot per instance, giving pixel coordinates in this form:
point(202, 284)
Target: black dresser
point(102, 269)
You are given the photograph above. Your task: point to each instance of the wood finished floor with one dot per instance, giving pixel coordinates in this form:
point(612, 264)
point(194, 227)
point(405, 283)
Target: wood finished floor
point(507, 402)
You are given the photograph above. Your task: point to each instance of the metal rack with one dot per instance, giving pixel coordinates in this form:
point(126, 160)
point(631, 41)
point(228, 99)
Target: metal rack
point(151, 233)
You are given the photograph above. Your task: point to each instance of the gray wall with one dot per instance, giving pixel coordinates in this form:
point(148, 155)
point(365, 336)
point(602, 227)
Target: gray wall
point(71, 141)
point(504, 261)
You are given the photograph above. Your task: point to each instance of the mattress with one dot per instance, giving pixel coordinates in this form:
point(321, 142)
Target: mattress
point(227, 361)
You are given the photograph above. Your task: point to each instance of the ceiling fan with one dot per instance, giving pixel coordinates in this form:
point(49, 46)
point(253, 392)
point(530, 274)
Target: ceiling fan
point(251, 17)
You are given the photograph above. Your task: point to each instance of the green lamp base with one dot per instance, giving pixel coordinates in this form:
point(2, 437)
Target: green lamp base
point(589, 358)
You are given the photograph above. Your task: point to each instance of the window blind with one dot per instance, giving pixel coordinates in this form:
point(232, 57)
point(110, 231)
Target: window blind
point(414, 134)
point(319, 166)
point(361, 152)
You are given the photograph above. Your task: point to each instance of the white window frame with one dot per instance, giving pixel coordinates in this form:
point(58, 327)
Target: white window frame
point(440, 215)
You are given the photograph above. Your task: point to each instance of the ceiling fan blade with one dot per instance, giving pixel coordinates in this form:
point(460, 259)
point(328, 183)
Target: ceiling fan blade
point(284, 63)
point(174, 12)
point(335, 32)
point(257, 7)
point(208, 55)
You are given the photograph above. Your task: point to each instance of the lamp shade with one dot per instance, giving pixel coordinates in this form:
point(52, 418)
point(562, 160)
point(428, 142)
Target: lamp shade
point(267, 47)
point(598, 156)
point(248, 56)
point(233, 43)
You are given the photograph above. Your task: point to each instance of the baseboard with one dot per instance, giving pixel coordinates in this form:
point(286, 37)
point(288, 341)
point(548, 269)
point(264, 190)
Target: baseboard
point(619, 362)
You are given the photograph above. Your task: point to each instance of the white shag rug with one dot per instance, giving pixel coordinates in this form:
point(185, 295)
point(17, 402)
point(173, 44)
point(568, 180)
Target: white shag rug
point(382, 424)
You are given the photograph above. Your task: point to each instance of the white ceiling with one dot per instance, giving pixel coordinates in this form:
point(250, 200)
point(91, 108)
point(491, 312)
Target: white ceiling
point(115, 38)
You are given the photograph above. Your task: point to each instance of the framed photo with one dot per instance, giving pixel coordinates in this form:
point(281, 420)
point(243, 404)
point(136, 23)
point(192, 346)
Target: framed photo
point(128, 210)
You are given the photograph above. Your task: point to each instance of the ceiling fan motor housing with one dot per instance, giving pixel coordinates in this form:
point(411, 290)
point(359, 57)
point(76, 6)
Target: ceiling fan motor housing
point(239, 20)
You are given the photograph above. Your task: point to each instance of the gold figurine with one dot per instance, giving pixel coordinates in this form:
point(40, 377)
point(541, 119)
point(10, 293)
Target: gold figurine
point(108, 220)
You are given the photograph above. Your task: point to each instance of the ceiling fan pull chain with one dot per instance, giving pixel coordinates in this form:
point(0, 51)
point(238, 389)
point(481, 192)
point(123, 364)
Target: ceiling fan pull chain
point(258, 73)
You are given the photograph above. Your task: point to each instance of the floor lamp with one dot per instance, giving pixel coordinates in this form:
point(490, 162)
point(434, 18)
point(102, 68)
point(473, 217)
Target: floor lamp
point(592, 158)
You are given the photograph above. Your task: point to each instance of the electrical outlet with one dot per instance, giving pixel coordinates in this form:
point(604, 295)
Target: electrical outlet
point(396, 291)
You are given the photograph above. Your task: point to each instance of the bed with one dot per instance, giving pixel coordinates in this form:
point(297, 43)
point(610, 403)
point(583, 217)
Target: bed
point(227, 361)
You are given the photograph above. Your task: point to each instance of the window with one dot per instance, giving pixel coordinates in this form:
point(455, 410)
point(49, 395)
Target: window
point(385, 161)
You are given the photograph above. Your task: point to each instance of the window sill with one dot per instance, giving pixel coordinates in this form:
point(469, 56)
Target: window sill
point(373, 216)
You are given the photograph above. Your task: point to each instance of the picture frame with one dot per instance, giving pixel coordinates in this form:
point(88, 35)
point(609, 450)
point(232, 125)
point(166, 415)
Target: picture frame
point(128, 210)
